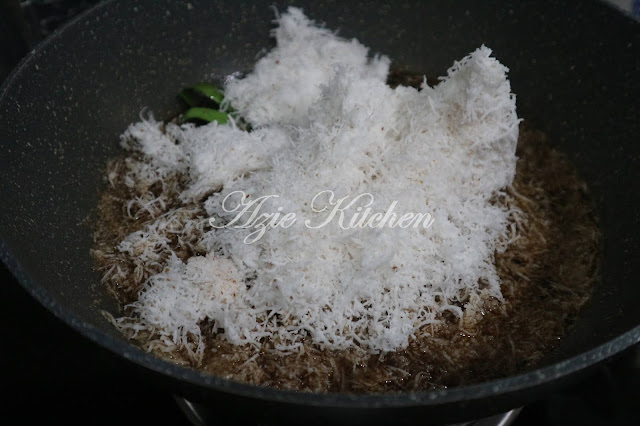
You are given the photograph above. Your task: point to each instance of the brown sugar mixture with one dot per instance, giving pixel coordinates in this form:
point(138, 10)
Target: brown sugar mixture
point(547, 275)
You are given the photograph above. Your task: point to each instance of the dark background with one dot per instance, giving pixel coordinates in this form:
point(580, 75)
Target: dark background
point(51, 374)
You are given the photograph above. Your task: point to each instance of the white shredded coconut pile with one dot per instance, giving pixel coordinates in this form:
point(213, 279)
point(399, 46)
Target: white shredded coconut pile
point(288, 80)
point(324, 119)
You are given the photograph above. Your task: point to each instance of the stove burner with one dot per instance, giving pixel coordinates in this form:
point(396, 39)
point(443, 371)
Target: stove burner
point(199, 415)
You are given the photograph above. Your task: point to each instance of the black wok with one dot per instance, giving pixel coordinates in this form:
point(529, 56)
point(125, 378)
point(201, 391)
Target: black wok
point(574, 67)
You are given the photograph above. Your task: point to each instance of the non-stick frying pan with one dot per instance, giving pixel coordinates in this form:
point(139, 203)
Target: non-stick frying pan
point(574, 67)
